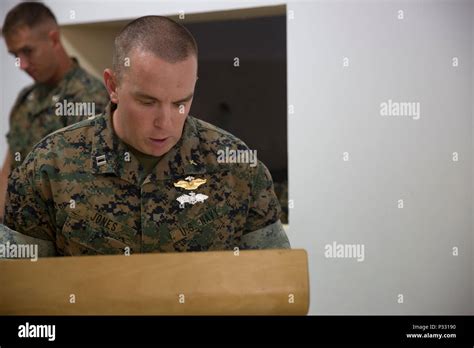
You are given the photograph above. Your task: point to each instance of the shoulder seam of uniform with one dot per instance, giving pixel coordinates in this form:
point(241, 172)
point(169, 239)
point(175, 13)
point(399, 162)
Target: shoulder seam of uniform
point(26, 90)
point(74, 126)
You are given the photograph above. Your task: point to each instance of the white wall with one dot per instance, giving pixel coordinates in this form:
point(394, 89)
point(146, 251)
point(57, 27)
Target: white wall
point(472, 164)
point(407, 251)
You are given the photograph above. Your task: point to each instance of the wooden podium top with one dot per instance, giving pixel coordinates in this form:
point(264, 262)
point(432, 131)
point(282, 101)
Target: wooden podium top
point(249, 282)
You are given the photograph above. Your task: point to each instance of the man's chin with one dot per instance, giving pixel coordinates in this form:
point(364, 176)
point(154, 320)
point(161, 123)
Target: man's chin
point(37, 79)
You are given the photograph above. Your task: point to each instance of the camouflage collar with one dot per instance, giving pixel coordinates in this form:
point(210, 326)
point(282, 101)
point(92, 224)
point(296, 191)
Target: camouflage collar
point(45, 96)
point(73, 70)
point(112, 155)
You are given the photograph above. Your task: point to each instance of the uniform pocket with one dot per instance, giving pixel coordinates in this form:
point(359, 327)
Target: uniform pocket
point(83, 236)
point(211, 228)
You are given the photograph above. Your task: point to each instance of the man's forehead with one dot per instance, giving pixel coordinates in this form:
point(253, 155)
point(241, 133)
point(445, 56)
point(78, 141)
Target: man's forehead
point(178, 74)
point(23, 36)
point(18, 34)
point(23, 32)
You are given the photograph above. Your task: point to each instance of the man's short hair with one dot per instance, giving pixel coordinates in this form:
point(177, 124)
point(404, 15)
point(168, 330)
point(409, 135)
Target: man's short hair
point(30, 14)
point(158, 35)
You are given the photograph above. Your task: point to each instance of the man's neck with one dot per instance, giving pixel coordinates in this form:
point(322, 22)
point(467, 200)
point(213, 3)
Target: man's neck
point(140, 155)
point(113, 118)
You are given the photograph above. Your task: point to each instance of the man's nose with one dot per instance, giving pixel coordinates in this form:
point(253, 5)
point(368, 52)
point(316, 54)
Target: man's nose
point(163, 116)
point(24, 64)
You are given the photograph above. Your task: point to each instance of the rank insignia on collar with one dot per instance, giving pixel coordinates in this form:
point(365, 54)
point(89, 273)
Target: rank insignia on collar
point(101, 160)
point(190, 183)
point(192, 198)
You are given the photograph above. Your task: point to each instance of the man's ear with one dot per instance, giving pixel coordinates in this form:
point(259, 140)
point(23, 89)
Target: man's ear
point(54, 37)
point(110, 83)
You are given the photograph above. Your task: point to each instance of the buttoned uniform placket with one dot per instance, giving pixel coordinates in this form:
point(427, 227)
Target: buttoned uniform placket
point(119, 170)
point(150, 233)
point(160, 207)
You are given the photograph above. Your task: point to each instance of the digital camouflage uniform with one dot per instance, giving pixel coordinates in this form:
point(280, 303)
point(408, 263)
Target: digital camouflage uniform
point(281, 191)
point(80, 188)
point(34, 113)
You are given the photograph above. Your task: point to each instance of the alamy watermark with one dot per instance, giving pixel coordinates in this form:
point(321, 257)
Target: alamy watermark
point(68, 108)
point(407, 109)
point(19, 251)
point(28, 330)
point(237, 156)
point(345, 251)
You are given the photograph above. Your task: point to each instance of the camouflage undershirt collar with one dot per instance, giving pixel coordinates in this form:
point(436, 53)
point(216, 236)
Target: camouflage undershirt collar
point(111, 155)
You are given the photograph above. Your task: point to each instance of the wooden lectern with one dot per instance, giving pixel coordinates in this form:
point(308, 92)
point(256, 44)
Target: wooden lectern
point(249, 282)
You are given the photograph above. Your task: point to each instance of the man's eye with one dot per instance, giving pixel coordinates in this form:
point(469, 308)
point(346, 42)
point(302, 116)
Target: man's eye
point(147, 102)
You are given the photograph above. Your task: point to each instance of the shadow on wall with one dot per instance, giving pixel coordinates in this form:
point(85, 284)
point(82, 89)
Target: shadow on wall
point(242, 88)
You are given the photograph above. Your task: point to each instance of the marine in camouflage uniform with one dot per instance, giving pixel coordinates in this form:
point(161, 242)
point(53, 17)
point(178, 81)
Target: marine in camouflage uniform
point(83, 189)
point(34, 113)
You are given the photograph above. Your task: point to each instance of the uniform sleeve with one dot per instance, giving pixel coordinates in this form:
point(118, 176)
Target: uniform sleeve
point(263, 228)
point(270, 237)
point(12, 131)
point(27, 210)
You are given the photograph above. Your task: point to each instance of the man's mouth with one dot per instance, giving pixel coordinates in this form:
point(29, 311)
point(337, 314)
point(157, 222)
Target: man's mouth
point(158, 141)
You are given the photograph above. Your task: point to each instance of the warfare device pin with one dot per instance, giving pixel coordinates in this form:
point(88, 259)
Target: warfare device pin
point(189, 183)
point(192, 198)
